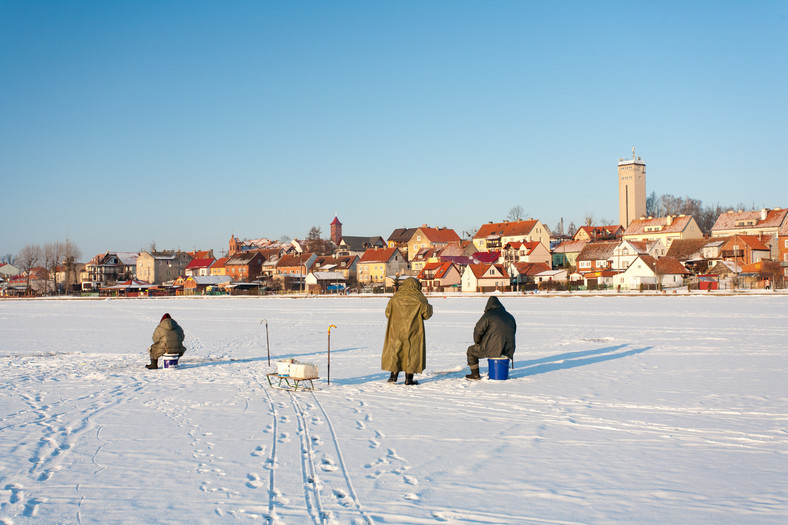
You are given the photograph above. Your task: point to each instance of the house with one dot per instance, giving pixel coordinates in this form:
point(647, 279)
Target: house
point(529, 252)
point(495, 235)
point(130, 288)
point(600, 279)
point(200, 284)
point(161, 267)
point(201, 254)
point(110, 267)
point(598, 233)
point(294, 267)
point(596, 256)
point(724, 274)
point(199, 267)
point(697, 255)
point(551, 276)
point(485, 278)
point(400, 238)
point(745, 249)
point(358, 245)
point(523, 274)
point(322, 282)
point(427, 237)
point(218, 267)
point(765, 224)
point(565, 254)
point(376, 264)
point(244, 266)
point(666, 229)
point(422, 258)
point(236, 245)
point(627, 251)
point(646, 271)
point(439, 277)
point(8, 270)
point(347, 265)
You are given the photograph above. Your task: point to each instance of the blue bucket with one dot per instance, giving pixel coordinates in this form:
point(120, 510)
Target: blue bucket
point(499, 368)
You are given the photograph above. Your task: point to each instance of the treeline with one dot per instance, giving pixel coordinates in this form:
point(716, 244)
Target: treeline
point(667, 204)
point(50, 256)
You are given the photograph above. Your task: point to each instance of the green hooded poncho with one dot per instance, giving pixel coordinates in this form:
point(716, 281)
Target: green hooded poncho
point(405, 345)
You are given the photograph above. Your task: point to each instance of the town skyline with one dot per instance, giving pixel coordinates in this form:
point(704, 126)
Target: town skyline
point(125, 125)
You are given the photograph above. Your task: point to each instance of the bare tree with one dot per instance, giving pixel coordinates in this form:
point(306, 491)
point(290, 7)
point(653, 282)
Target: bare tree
point(315, 244)
point(516, 213)
point(7, 259)
point(572, 229)
point(589, 220)
point(52, 255)
point(28, 258)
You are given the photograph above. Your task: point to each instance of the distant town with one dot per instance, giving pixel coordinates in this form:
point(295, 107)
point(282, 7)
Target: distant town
point(686, 247)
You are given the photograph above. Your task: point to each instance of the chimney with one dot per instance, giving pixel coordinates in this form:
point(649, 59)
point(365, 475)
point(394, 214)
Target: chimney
point(764, 212)
point(669, 220)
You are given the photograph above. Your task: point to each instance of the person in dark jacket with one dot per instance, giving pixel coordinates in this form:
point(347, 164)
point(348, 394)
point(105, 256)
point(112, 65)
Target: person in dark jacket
point(405, 345)
point(493, 336)
point(167, 339)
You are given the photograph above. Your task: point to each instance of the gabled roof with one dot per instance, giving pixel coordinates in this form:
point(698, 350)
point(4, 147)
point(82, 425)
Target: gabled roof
point(664, 265)
point(506, 229)
point(597, 251)
point(199, 263)
point(294, 259)
point(439, 235)
point(570, 247)
point(601, 232)
point(440, 269)
point(378, 256)
point(218, 263)
point(764, 218)
point(243, 258)
point(359, 244)
point(658, 225)
point(402, 235)
point(752, 242)
point(480, 269)
point(531, 269)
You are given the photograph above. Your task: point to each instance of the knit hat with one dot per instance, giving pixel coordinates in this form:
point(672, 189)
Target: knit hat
point(165, 316)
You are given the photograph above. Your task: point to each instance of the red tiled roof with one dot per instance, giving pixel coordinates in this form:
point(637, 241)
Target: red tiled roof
point(373, 256)
point(199, 263)
point(525, 268)
point(505, 229)
point(677, 224)
point(480, 269)
point(774, 218)
point(440, 235)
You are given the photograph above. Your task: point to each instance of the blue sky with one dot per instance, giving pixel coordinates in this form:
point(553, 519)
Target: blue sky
point(124, 123)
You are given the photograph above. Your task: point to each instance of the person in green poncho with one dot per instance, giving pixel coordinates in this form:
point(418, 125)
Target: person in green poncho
point(405, 345)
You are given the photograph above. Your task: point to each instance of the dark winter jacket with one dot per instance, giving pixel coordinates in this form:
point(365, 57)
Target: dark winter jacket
point(494, 332)
point(404, 348)
point(167, 339)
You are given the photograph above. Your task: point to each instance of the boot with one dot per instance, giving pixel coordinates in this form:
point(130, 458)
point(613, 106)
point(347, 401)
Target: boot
point(154, 364)
point(393, 377)
point(474, 374)
point(409, 380)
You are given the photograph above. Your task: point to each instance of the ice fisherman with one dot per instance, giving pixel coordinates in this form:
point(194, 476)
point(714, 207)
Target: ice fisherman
point(167, 339)
point(405, 345)
point(493, 336)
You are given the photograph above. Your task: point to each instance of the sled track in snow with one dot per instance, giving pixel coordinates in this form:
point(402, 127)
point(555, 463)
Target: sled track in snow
point(324, 499)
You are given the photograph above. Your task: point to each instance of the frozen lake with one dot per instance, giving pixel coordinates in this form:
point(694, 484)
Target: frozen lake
point(638, 409)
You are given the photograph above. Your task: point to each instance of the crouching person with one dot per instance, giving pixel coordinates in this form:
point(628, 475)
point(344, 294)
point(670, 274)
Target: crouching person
point(167, 339)
point(494, 336)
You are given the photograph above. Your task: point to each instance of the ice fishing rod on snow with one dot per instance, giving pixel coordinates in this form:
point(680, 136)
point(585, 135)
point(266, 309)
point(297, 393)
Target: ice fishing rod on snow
point(267, 346)
point(328, 372)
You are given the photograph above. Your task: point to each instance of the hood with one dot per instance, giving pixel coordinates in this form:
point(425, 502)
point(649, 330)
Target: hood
point(411, 283)
point(492, 302)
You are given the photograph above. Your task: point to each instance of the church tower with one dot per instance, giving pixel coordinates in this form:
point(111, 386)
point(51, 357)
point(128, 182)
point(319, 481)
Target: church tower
point(631, 189)
point(336, 231)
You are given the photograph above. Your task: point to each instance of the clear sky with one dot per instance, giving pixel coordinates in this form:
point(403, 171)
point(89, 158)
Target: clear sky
point(125, 123)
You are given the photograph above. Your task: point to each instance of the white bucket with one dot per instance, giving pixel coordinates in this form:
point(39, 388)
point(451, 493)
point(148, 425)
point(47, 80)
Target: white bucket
point(283, 366)
point(170, 360)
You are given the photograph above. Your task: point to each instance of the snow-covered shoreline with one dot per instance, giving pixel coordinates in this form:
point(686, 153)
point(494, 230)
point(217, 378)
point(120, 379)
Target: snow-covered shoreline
point(621, 409)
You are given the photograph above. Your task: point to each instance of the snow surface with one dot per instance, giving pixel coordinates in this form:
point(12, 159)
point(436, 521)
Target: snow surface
point(639, 409)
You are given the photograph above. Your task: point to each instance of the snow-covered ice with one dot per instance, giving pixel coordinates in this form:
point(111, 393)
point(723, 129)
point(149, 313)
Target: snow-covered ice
point(638, 409)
